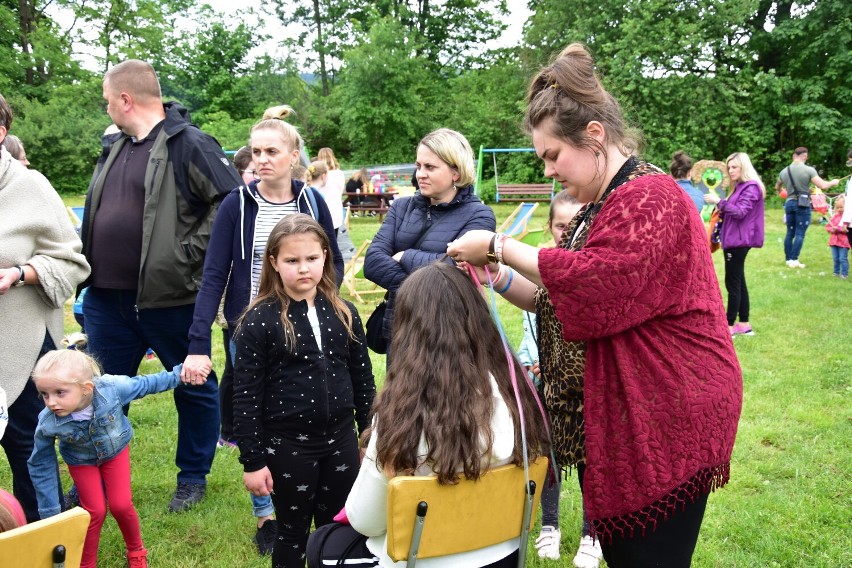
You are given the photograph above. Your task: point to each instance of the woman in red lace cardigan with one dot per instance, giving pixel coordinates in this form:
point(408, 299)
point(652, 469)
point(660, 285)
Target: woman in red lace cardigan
point(641, 379)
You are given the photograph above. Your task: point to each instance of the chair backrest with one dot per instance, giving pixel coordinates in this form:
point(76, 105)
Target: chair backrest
point(31, 546)
point(467, 516)
point(516, 224)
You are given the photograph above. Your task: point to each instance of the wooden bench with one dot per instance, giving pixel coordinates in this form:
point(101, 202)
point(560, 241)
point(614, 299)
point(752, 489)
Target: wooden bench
point(525, 192)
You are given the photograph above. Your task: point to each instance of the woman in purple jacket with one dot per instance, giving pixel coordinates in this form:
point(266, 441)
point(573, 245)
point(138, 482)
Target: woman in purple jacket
point(742, 230)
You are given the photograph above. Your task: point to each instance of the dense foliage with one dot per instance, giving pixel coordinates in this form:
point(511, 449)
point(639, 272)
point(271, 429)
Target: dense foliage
point(707, 76)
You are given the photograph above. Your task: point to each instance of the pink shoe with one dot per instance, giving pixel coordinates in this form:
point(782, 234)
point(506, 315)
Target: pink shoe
point(137, 558)
point(741, 329)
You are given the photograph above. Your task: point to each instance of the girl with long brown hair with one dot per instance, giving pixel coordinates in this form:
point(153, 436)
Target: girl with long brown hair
point(448, 409)
point(302, 380)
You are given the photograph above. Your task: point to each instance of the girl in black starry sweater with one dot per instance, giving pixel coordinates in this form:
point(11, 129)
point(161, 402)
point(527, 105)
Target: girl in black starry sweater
point(302, 381)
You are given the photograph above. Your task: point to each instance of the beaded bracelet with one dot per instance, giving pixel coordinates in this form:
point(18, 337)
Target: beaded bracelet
point(498, 246)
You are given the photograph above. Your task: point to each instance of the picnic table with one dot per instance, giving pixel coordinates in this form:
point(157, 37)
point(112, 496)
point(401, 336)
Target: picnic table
point(375, 202)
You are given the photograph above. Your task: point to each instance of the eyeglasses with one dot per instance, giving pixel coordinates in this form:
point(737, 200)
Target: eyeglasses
point(252, 172)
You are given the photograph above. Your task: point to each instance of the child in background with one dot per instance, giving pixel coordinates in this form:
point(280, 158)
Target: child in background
point(84, 412)
point(839, 239)
point(332, 193)
point(302, 381)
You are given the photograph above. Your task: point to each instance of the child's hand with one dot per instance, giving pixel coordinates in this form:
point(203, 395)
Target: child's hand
point(535, 370)
point(259, 483)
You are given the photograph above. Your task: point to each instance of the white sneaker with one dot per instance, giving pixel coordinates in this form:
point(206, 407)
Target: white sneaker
point(547, 542)
point(589, 554)
point(794, 264)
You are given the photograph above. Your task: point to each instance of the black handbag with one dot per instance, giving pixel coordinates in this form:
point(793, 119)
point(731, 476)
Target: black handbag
point(802, 199)
point(375, 338)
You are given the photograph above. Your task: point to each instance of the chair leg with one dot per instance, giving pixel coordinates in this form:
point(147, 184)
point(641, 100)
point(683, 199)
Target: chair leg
point(414, 548)
point(525, 526)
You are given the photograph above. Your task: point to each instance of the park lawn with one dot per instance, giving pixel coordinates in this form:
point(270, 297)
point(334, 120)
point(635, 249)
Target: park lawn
point(788, 501)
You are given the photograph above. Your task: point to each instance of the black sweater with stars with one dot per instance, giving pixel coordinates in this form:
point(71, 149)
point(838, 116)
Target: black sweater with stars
point(306, 392)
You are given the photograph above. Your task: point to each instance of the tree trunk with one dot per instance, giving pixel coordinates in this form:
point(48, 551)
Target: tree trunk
point(321, 48)
point(26, 15)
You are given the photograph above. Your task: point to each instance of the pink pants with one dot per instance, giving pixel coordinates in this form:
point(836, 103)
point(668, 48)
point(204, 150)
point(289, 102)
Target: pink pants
point(97, 485)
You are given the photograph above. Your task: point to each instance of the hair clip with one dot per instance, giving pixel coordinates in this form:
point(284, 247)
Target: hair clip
point(554, 85)
point(311, 169)
point(72, 347)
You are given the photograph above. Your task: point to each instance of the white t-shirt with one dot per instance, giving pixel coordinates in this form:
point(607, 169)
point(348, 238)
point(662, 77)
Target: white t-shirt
point(332, 192)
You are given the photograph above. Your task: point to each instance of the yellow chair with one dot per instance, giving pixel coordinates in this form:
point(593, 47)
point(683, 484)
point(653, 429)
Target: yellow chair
point(427, 520)
point(33, 545)
point(353, 274)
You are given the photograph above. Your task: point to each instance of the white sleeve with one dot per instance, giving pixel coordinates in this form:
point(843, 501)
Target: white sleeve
point(366, 506)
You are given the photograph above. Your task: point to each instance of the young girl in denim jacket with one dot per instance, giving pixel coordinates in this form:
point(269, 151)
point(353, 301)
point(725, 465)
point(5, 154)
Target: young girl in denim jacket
point(84, 412)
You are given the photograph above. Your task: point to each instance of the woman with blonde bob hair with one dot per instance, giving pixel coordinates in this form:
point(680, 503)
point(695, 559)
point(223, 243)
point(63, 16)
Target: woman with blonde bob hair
point(742, 230)
point(417, 228)
point(629, 311)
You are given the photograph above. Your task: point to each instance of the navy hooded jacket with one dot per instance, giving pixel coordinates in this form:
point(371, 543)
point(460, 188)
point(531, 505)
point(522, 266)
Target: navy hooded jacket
point(229, 258)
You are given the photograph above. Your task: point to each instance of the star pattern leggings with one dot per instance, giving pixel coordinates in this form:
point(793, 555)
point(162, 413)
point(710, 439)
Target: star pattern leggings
point(311, 478)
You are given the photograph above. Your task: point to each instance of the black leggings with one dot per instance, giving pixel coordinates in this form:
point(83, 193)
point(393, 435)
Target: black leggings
point(735, 283)
point(669, 545)
point(311, 477)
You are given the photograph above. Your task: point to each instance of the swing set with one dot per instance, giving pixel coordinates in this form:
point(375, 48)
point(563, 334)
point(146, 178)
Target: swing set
point(515, 191)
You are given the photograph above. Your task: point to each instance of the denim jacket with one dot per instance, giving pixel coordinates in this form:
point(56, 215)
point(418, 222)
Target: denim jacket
point(89, 442)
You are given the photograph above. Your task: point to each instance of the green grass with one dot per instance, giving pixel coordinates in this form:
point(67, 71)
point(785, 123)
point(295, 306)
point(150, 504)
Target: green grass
point(788, 502)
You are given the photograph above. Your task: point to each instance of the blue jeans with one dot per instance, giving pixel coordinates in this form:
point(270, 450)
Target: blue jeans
point(260, 506)
point(119, 336)
point(798, 221)
point(840, 256)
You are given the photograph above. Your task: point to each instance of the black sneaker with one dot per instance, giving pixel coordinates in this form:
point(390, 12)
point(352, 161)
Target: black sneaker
point(265, 537)
point(187, 495)
point(71, 499)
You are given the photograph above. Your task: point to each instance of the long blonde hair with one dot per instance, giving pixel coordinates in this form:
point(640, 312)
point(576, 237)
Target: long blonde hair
point(327, 156)
point(747, 171)
point(271, 287)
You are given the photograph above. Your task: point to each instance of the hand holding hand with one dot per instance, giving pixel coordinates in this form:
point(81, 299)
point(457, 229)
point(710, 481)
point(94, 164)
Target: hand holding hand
point(471, 247)
point(195, 370)
point(259, 483)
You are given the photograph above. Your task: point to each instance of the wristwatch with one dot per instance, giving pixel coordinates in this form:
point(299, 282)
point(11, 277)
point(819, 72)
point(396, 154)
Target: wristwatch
point(491, 255)
point(21, 279)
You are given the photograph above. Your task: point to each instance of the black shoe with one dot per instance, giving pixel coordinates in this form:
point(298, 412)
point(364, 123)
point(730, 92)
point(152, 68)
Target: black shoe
point(265, 537)
point(187, 495)
point(71, 499)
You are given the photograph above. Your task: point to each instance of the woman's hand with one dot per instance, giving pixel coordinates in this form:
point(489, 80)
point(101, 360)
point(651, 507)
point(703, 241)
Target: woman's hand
point(259, 483)
point(8, 277)
point(471, 247)
point(480, 271)
point(712, 198)
point(195, 369)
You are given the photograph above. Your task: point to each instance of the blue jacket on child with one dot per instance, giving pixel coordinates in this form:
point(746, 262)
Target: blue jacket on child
point(89, 442)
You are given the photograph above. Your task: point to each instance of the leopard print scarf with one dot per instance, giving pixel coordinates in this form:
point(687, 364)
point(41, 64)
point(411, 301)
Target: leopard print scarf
point(563, 362)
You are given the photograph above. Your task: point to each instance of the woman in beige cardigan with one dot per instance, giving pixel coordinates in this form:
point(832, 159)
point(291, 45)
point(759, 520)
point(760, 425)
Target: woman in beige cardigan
point(40, 266)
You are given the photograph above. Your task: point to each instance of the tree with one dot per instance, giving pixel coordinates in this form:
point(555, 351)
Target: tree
point(387, 97)
point(716, 77)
